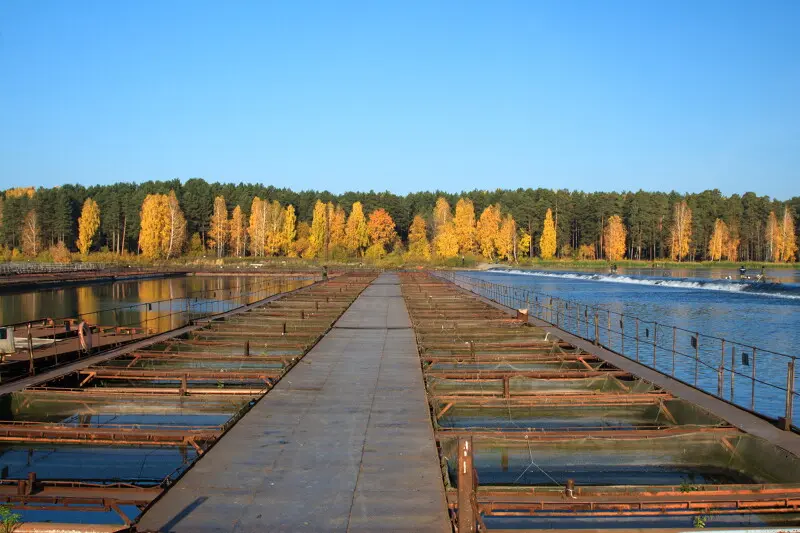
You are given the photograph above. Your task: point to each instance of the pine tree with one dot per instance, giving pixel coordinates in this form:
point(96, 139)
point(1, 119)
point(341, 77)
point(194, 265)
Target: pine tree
point(465, 225)
point(720, 238)
point(237, 231)
point(319, 230)
point(219, 226)
point(788, 237)
point(289, 231)
point(31, 234)
point(487, 229)
point(381, 228)
point(547, 243)
point(418, 246)
point(356, 236)
point(681, 232)
point(614, 238)
point(88, 223)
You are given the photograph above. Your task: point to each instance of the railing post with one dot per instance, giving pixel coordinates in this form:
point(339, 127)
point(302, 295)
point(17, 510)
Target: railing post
point(655, 342)
point(696, 357)
point(622, 333)
point(787, 421)
point(753, 383)
point(674, 335)
point(637, 339)
point(466, 516)
point(733, 370)
point(596, 329)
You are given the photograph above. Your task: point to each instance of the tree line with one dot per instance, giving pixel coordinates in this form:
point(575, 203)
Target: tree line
point(164, 219)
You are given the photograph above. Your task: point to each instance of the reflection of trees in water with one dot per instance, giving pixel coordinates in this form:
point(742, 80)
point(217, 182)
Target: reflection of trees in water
point(87, 303)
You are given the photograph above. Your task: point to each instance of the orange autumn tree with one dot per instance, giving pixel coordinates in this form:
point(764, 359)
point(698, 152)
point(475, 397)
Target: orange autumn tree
point(381, 229)
point(773, 235)
point(788, 237)
point(719, 241)
point(614, 237)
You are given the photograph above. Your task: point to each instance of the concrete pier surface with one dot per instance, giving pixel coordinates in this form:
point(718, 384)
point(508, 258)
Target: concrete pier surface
point(344, 442)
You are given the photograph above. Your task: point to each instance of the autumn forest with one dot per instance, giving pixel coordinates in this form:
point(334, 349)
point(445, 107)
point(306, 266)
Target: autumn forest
point(165, 220)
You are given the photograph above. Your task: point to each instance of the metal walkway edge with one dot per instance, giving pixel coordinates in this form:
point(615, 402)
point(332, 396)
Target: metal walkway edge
point(344, 442)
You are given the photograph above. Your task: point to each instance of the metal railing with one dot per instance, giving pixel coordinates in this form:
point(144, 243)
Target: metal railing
point(33, 267)
point(109, 327)
point(756, 379)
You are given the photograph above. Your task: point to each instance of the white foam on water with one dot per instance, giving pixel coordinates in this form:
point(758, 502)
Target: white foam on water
point(774, 290)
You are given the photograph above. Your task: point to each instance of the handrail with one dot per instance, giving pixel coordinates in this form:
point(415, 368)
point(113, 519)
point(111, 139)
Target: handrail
point(712, 364)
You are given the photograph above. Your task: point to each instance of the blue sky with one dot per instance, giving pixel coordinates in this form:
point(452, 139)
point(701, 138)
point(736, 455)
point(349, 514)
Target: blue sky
point(404, 95)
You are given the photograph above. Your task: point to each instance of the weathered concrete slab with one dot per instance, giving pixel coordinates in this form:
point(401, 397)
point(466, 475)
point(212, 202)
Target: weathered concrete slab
point(343, 443)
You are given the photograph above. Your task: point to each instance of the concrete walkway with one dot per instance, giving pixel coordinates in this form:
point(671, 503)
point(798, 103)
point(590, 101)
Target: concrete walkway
point(343, 443)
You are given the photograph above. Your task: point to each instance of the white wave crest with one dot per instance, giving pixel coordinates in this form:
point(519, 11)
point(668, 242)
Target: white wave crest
point(754, 289)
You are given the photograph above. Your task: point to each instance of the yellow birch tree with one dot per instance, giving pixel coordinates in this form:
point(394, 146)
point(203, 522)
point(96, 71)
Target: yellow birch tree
point(219, 226)
point(717, 244)
point(487, 229)
point(356, 236)
point(788, 237)
point(176, 226)
point(31, 233)
point(274, 227)
point(614, 238)
point(465, 225)
point(418, 246)
point(319, 230)
point(338, 223)
point(237, 231)
point(547, 242)
point(153, 220)
point(681, 231)
point(441, 215)
point(773, 235)
point(506, 241)
point(289, 231)
point(88, 223)
point(446, 241)
point(257, 228)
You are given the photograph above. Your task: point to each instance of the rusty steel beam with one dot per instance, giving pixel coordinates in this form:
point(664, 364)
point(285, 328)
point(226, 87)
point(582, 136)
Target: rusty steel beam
point(523, 436)
point(549, 398)
point(191, 374)
point(122, 435)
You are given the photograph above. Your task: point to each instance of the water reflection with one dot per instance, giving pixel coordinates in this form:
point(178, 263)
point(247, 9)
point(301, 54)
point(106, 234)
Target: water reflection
point(123, 303)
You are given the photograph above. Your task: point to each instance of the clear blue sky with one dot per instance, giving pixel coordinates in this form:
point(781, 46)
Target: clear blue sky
point(404, 95)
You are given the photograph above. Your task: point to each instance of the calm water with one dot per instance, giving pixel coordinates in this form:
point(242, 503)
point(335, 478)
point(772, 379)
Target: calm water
point(71, 301)
point(765, 315)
